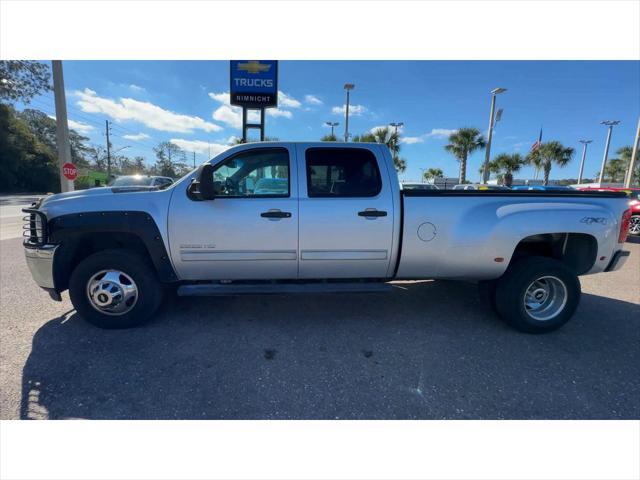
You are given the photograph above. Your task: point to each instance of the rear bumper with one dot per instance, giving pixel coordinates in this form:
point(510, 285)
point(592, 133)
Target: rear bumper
point(618, 260)
point(40, 263)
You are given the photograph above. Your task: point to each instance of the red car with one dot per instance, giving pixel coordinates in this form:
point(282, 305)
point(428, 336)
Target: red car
point(634, 204)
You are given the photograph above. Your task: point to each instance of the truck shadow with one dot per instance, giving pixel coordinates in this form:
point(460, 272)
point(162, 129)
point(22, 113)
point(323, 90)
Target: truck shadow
point(429, 350)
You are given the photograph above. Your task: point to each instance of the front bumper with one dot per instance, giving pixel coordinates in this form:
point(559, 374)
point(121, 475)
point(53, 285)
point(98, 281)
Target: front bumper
point(618, 260)
point(40, 263)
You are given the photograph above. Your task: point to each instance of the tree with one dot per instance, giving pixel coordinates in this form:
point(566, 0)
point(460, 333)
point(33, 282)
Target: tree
point(21, 80)
point(432, 174)
point(238, 140)
point(26, 163)
point(547, 155)
point(506, 165)
point(391, 139)
point(616, 169)
point(329, 138)
point(45, 129)
point(463, 143)
point(171, 159)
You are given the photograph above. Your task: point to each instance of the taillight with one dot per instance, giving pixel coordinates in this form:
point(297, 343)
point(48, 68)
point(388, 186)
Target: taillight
point(624, 226)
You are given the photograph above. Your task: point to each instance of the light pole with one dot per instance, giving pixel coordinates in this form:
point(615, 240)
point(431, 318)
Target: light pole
point(584, 155)
point(422, 176)
point(348, 87)
point(332, 125)
point(610, 124)
point(396, 125)
point(634, 158)
point(487, 153)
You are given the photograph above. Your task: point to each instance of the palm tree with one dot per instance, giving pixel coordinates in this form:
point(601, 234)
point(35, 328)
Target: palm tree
point(548, 154)
point(506, 165)
point(463, 143)
point(433, 173)
point(391, 139)
point(616, 167)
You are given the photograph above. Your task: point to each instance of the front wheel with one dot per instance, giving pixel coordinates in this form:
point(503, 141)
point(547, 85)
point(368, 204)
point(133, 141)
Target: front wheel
point(537, 294)
point(634, 225)
point(115, 289)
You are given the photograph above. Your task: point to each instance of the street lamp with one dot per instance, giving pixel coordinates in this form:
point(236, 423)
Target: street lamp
point(610, 124)
point(487, 153)
point(634, 158)
point(348, 87)
point(396, 125)
point(116, 151)
point(584, 155)
point(422, 176)
point(332, 125)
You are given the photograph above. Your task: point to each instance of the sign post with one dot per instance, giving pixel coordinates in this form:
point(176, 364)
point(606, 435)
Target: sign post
point(254, 86)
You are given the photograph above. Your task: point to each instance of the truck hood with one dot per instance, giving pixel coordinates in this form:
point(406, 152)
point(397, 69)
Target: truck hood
point(93, 192)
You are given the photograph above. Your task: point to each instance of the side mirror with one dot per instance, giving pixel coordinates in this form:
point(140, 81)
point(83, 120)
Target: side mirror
point(206, 186)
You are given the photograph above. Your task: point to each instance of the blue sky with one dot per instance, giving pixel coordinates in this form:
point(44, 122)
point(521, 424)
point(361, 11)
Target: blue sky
point(187, 102)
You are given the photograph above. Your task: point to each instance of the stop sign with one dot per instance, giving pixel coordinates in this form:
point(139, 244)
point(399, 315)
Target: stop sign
point(70, 171)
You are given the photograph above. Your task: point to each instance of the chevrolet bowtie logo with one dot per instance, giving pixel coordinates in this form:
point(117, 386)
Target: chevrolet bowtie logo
point(254, 66)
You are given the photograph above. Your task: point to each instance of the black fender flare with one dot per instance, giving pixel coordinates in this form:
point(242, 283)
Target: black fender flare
point(67, 229)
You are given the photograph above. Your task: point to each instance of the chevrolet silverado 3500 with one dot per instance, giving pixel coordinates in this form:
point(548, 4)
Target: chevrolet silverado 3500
point(318, 217)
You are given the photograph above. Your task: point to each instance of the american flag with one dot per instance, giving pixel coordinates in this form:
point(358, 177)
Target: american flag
point(537, 143)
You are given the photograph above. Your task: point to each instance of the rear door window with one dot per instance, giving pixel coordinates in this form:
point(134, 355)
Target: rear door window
point(342, 172)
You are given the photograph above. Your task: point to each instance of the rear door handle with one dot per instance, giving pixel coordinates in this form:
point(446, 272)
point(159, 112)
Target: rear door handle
point(372, 213)
point(275, 214)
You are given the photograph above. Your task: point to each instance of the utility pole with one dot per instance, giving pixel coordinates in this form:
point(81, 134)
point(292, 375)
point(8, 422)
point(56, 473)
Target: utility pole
point(487, 153)
point(584, 156)
point(108, 153)
point(634, 158)
point(62, 127)
point(348, 87)
point(610, 124)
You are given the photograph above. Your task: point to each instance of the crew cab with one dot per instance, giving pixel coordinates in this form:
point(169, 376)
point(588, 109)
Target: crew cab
point(317, 217)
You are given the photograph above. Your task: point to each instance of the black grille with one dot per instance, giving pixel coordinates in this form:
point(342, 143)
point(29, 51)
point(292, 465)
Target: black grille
point(34, 229)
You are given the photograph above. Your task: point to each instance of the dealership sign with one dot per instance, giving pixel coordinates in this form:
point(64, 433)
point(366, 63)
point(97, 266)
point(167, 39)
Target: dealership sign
point(254, 83)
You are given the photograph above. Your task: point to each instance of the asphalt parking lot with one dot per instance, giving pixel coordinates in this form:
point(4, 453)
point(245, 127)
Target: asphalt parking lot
point(430, 350)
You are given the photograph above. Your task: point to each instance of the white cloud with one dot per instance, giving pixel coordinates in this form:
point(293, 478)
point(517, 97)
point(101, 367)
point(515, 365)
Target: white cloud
point(232, 115)
point(138, 136)
point(137, 88)
point(355, 110)
point(411, 140)
point(277, 112)
point(312, 100)
point(400, 129)
point(199, 146)
point(440, 132)
point(148, 114)
point(77, 126)
point(285, 100)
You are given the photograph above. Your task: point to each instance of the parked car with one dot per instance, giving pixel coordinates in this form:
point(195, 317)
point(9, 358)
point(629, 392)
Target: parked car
point(141, 181)
point(342, 224)
point(479, 186)
point(634, 204)
point(418, 186)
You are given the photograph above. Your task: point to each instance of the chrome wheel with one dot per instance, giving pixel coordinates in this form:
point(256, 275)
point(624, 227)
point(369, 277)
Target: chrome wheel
point(634, 225)
point(112, 292)
point(545, 298)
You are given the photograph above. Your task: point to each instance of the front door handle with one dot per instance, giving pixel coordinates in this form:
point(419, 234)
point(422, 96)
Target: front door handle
point(372, 213)
point(275, 214)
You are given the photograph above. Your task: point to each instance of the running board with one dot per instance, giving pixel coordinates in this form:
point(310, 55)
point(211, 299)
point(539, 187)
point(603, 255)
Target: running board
point(217, 289)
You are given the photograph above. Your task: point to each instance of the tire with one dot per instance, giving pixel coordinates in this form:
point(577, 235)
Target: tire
point(634, 225)
point(552, 301)
point(127, 275)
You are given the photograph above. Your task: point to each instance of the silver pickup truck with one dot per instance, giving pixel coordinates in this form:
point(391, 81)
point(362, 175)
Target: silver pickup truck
point(318, 217)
